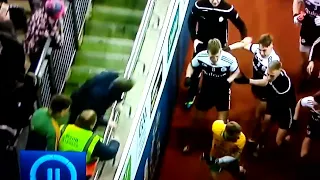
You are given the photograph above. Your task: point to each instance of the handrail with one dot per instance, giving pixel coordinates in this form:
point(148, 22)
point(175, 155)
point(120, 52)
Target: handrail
point(132, 62)
point(43, 55)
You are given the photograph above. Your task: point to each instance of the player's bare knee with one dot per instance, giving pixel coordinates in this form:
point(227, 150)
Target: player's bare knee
point(223, 115)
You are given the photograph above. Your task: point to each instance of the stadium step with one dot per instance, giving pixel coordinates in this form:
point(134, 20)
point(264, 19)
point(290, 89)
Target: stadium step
point(107, 42)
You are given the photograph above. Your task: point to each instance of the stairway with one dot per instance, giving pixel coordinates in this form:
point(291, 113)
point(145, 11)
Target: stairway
point(108, 39)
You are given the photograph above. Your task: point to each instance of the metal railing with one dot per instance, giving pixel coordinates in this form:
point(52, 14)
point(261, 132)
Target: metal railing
point(132, 62)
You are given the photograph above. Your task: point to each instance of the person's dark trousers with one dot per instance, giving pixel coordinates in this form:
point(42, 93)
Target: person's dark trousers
point(34, 60)
point(36, 141)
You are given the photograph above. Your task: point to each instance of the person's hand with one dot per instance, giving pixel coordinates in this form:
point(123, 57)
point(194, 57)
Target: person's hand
point(112, 124)
point(225, 160)
point(298, 18)
point(4, 12)
point(317, 21)
point(187, 82)
point(242, 80)
point(310, 67)
point(196, 42)
point(247, 40)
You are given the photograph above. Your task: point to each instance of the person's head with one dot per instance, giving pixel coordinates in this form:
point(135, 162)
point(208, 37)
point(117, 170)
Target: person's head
point(55, 8)
point(232, 131)
point(60, 105)
point(214, 50)
point(316, 98)
point(215, 3)
point(123, 85)
point(265, 45)
point(87, 119)
point(274, 70)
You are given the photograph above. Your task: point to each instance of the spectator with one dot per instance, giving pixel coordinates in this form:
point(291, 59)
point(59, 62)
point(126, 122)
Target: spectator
point(79, 137)
point(98, 94)
point(45, 124)
point(44, 23)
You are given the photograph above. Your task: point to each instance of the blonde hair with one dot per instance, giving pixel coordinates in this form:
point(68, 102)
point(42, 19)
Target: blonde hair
point(275, 65)
point(214, 46)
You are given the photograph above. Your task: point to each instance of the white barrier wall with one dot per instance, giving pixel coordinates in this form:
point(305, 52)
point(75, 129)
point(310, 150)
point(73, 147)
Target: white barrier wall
point(166, 37)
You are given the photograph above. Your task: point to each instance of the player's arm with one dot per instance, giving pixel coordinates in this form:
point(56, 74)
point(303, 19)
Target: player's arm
point(296, 6)
point(192, 22)
point(236, 20)
point(235, 71)
point(246, 43)
point(259, 82)
point(193, 64)
point(304, 102)
point(239, 150)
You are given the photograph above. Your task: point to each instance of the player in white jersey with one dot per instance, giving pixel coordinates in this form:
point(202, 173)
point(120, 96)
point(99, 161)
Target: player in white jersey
point(219, 69)
point(309, 19)
point(313, 128)
point(263, 54)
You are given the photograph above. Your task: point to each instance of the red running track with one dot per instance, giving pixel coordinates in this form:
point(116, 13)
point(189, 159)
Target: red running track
point(262, 16)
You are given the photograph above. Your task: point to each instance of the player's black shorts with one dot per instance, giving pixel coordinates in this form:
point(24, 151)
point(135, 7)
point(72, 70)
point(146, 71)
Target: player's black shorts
point(282, 114)
point(209, 98)
point(313, 129)
point(259, 92)
point(309, 32)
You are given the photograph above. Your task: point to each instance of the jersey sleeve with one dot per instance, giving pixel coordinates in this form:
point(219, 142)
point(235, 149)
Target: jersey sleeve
point(241, 142)
point(218, 127)
point(307, 102)
point(234, 65)
point(234, 17)
point(192, 21)
point(194, 62)
point(253, 48)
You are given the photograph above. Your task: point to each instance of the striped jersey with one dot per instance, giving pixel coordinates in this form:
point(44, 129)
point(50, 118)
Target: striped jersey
point(221, 70)
point(260, 64)
point(309, 103)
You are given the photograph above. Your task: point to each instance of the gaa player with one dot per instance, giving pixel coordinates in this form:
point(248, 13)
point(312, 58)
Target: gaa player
point(281, 100)
point(313, 128)
point(219, 69)
point(227, 145)
point(208, 20)
point(263, 54)
point(310, 27)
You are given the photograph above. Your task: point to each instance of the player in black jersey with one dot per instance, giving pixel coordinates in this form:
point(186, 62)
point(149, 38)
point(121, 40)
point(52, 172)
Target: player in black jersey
point(219, 69)
point(281, 99)
point(309, 32)
point(208, 20)
point(313, 128)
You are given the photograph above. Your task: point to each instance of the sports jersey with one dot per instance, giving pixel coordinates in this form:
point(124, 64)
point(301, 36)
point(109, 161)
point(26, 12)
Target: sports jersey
point(309, 103)
point(281, 91)
point(220, 71)
point(312, 7)
point(208, 22)
point(222, 147)
point(260, 64)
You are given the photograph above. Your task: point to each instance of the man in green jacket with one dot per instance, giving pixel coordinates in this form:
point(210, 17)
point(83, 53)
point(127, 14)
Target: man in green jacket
point(45, 123)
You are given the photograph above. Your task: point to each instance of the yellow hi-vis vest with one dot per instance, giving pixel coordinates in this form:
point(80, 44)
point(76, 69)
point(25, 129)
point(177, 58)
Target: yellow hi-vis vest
point(76, 139)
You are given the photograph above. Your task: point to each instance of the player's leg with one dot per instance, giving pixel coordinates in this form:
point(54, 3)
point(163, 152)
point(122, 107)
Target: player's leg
point(260, 111)
point(203, 103)
point(305, 147)
point(223, 100)
point(313, 133)
point(308, 34)
point(284, 119)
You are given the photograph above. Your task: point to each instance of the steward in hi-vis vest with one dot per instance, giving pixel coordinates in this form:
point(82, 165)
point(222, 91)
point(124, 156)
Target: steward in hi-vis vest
point(79, 137)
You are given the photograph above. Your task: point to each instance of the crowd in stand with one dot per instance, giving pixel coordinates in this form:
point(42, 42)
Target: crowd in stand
point(22, 39)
